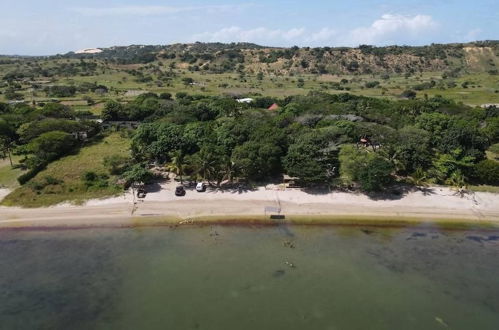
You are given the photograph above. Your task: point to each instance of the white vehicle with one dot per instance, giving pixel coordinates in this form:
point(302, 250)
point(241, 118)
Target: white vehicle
point(200, 187)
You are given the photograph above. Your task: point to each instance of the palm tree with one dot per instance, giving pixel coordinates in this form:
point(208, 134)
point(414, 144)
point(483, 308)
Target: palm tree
point(206, 163)
point(418, 178)
point(177, 163)
point(229, 169)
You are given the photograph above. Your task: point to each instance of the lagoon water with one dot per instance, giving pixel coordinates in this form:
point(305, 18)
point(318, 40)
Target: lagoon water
point(224, 277)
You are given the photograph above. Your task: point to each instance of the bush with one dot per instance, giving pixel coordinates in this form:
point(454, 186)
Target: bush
point(410, 94)
point(165, 96)
point(494, 148)
point(372, 84)
point(30, 174)
point(116, 164)
point(487, 172)
point(92, 179)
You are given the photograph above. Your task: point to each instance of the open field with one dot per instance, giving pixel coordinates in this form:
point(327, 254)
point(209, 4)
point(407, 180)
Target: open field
point(481, 88)
point(65, 183)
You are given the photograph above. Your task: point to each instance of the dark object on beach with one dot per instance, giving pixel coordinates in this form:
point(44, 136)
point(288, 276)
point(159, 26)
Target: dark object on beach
point(279, 273)
point(367, 231)
point(289, 244)
point(277, 217)
point(180, 191)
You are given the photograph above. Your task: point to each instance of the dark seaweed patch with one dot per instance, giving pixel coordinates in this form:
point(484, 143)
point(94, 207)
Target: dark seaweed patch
point(279, 273)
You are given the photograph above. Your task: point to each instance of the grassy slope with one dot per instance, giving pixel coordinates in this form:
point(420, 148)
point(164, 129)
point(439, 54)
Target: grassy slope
point(70, 170)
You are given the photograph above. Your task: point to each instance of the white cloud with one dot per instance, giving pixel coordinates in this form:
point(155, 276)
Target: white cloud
point(152, 10)
point(325, 34)
point(392, 28)
point(389, 29)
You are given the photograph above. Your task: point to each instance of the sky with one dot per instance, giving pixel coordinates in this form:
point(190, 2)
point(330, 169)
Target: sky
point(47, 27)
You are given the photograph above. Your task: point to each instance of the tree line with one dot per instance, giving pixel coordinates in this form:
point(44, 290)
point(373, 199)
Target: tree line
point(337, 140)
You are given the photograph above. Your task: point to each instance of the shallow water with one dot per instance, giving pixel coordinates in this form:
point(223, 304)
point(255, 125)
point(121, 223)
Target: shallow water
point(249, 278)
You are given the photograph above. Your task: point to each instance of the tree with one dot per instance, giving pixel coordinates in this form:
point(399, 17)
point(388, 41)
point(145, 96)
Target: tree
point(487, 172)
point(375, 174)
point(207, 161)
point(6, 146)
point(188, 81)
point(177, 163)
point(57, 110)
point(165, 96)
point(113, 110)
point(409, 94)
point(51, 145)
point(492, 129)
point(258, 160)
point(411, 151)
point(138, 173)
point(311, 159)
point(369, 169)
point(444, 165)
point(158, 140)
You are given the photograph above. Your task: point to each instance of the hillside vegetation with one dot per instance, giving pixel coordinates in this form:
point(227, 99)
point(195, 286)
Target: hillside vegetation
point(466, 73)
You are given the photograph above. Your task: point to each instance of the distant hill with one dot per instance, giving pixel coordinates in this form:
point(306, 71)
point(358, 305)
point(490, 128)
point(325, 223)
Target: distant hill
point(480, 56)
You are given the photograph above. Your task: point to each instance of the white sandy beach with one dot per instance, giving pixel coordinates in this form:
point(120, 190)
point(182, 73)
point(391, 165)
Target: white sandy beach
point(439, 204)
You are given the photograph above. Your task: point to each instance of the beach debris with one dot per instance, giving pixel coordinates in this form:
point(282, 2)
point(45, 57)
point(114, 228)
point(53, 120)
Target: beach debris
point(186, 222)
point(289, 244)
point(279, 273)
point(289, 264)
point(481, 239)
point(367, 231)
point(416, 235)
point(440, 321)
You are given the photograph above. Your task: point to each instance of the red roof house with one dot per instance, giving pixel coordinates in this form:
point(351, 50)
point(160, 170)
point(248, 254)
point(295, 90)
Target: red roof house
point(274, 106)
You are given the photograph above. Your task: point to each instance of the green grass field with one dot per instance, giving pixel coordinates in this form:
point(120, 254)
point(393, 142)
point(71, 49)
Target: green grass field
point(69, 171)
point(8, 175)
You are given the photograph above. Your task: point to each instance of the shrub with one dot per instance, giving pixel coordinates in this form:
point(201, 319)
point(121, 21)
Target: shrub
point(487, 172)
point(30, 174)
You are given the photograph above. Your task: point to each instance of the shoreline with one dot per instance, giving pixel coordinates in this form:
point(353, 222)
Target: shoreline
point(161, 208)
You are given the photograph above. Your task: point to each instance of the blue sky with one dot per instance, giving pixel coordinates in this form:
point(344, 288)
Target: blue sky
point(42, 27)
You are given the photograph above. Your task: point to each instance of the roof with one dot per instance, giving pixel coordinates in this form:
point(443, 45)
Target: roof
point(246, 100)
point(274, 106)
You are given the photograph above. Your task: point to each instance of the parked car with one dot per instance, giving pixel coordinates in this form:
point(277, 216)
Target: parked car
point(141, 193)
point(179, 191)
point(200, 187)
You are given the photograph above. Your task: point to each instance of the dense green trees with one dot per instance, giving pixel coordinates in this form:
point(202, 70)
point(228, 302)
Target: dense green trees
point(321, 139)
point(433, 139)
point(51, 145)
point(312, 158)
point(487, 172)
point(371, 170)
